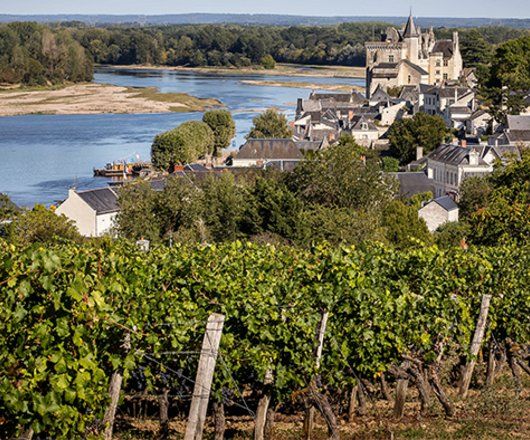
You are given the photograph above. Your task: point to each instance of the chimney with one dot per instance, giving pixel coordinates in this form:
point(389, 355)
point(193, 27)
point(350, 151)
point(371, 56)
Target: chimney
point(419, 153)
point(299, 107)
point(455, 39)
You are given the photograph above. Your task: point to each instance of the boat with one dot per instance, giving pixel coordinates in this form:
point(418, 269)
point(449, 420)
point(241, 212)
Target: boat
point(123, 169)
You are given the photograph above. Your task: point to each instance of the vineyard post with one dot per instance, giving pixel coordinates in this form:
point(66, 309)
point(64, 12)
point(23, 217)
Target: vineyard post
point(204, 377)
point(263, 406)
point(114, 391)
point(401, 392)
point(475, 345)
point(310, 412)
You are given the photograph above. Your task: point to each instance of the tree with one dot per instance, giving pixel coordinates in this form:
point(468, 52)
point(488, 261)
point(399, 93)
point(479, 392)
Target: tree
point(390, 164)
point(342, 176)
point(41, 225)
point(476, 51)
point(7, 208)
point(137, 218)
point(270, 124)
point(403, 225)
point(223, 127)
point(422, 130)
point(508, 81)
point(474, 194)
point(268, 62)
point(184, 144)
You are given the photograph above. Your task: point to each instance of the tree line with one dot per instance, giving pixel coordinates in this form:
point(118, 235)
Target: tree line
point(34, 54)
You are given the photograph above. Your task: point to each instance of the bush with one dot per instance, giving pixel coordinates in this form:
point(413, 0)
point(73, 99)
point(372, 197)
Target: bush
point(268, 62)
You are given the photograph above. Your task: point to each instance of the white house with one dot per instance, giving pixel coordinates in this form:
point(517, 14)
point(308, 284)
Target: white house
point(438, 212)
point(92, 211)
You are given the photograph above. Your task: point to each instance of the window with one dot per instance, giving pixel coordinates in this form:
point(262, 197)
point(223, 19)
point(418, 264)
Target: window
point(364, 126)
point(438, 63)
point(446, 63)
point(445, 76)
point(437, 73)
point(390, 58)
point(410, 78)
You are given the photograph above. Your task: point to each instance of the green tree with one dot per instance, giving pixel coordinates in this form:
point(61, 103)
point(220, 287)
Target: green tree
point(390, 164)
point(268, 62)
point(7, 208)
point(137, 218)
point(41, 225)
point(403, 225)
point(342, 177)
point(474, 194)
point(184, 144)
point(508, 81)
point(270, 124)
point(476, 51)
point(223, 126)
point(422, 130)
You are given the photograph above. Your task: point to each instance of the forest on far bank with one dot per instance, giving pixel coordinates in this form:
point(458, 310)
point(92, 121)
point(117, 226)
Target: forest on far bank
point(36, 54)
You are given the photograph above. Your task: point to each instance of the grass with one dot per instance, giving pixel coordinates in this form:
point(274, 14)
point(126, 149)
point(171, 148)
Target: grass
point(184, 101)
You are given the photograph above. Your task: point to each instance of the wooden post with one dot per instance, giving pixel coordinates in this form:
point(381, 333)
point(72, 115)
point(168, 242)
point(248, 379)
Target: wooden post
point(310, 410)
point(401, 393)
point(475, 345)
point(163, 401)
point(114, 392)
point(204, 378)
point(263, 407)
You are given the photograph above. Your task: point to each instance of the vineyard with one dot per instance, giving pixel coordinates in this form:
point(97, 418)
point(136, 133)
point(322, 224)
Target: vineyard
point(321, 330)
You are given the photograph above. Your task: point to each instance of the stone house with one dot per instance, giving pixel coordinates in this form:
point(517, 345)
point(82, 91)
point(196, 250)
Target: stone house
point(93, 211)
point(262, 153)
point(438, 212)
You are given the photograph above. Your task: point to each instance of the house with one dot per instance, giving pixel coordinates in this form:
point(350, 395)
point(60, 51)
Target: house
point(364, 131)
point(93, 211)
point(409, 56)
point(439, 211)
point(478, 123)
point(515, 132)
point(450, 165)
point(262, 152)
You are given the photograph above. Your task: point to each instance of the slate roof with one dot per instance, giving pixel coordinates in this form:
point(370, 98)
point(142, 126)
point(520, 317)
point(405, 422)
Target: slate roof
point(102, 200)
point(357, 122)
point(420, 69)
point(445, 47)
point(454, 155)
point(380, 95)
point(309, 145)
point(410, 28)
point(411, 183)
point(518, 122)
point(446, 203)
point(269, 149)
point(479, 113)
point(409, 93)
point(337, 96)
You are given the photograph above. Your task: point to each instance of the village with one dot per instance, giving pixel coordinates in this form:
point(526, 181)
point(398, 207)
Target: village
point(408, 72)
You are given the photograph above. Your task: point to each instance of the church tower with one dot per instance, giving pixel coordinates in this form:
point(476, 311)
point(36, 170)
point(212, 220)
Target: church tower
point(411, 38)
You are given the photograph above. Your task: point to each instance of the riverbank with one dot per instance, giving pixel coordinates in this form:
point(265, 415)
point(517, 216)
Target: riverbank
point(305, 85)
point(92, 98)
point(280, 70)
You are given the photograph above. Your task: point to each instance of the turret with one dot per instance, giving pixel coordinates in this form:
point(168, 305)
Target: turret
point(411, 37)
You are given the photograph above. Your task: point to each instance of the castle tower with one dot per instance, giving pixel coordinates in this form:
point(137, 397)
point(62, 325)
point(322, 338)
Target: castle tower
point(411, 37)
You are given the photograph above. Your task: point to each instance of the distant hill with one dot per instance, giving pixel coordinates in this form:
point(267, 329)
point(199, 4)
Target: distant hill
point(262, 19)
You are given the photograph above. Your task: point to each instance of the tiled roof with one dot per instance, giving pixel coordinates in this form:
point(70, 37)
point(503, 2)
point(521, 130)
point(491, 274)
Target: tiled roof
point(518, 122)
point(102, 200)
point(269, 149)
point(419, 69)
point(410, 28)
point(454, 155)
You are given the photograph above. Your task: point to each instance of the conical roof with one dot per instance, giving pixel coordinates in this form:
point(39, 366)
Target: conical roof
point(410, 28)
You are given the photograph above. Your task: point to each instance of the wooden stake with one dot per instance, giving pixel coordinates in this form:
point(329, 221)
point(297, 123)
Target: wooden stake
point(204, 377)
point(401, 393)
point(263, 407)
point(475, 345)
point(163, 401)
point(114, 392)
point(310, 410)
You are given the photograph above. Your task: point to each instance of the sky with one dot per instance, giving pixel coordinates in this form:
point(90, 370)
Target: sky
point(425, 8)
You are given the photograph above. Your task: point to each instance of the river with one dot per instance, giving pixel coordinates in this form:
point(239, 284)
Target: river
point(42, 156)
